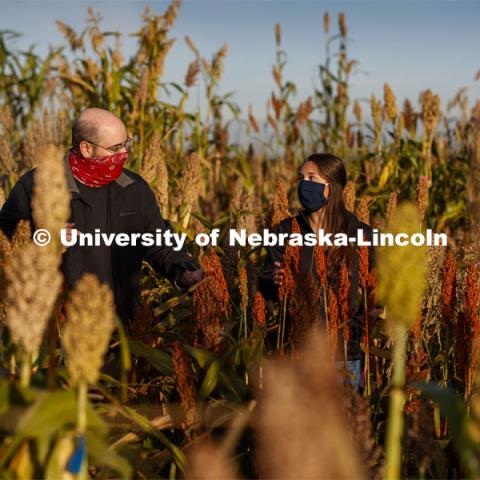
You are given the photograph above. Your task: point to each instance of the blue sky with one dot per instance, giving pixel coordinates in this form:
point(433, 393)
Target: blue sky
point(412, 45)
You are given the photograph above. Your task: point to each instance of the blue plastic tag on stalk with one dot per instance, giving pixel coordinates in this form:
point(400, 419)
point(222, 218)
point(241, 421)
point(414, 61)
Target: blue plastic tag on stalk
point(78, 456)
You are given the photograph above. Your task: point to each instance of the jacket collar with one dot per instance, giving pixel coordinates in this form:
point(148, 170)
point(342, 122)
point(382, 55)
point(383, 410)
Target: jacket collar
point(123, 180)
point(353, 222)
point(303, 222)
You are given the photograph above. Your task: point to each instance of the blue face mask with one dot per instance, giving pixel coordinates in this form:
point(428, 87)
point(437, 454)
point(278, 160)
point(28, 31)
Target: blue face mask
point(312, 195)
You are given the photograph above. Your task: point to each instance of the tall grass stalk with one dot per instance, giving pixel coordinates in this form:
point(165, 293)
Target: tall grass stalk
point(401, 285)
point(397, 400)
point(283, 319)
point(367, 342)
point(82, 403)
point(25, 369)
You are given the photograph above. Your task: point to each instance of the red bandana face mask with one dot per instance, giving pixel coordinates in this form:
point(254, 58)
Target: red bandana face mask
point(96, 171)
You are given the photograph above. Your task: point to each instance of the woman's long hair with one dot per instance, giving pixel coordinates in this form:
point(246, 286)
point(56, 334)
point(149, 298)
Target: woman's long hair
point(333, 170)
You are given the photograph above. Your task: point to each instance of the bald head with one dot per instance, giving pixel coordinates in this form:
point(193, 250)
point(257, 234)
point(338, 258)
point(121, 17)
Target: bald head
point(98, 126)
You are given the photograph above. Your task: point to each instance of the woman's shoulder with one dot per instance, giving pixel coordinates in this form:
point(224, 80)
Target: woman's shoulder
point(285, 225)
point(356, 224)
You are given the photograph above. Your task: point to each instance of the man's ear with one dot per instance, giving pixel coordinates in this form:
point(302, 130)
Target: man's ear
point(86, 149)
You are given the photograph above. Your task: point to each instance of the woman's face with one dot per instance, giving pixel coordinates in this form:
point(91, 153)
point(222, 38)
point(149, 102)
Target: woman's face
point(309, 171)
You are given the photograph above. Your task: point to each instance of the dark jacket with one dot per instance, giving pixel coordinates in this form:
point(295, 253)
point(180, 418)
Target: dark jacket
point(131, 208)
point(275, 254)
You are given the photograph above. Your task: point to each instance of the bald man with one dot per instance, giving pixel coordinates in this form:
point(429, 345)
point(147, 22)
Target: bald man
point(107, 197)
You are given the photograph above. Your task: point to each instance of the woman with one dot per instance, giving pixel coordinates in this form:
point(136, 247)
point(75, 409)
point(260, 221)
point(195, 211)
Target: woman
point(322, 179)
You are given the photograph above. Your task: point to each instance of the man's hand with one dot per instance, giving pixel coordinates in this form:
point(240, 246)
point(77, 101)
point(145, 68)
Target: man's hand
point(69, 231)
point(190, 277)
point(69, 228)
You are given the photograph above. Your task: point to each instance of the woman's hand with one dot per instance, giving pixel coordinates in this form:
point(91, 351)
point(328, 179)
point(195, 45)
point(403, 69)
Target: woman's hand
point(191, 277)
point(375, 312)
point(278, 273)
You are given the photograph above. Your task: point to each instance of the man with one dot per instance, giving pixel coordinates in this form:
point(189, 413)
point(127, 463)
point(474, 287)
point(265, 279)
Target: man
point(114, 200)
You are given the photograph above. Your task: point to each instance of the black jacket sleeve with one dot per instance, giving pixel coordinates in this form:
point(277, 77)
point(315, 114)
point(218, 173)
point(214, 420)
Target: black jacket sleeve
point(164, 259)
point(17, 206)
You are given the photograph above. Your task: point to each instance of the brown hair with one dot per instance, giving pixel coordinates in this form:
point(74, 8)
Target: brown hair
point(336, 215)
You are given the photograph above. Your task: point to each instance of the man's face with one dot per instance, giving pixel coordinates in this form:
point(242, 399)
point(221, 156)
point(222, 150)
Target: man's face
point(111, 139)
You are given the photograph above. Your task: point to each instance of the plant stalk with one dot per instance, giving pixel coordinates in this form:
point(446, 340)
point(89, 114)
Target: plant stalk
point(397, 399)
point(25, 370)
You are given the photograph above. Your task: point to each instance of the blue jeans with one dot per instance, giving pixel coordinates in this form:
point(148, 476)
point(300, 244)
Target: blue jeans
point(354, 370)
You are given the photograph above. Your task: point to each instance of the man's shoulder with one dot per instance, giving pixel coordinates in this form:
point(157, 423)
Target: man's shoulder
point(136, 187)
point(27, 179)
point(136, 179)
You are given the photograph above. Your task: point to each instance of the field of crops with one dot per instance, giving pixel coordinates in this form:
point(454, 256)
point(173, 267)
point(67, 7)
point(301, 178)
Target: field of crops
point(205, 384)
